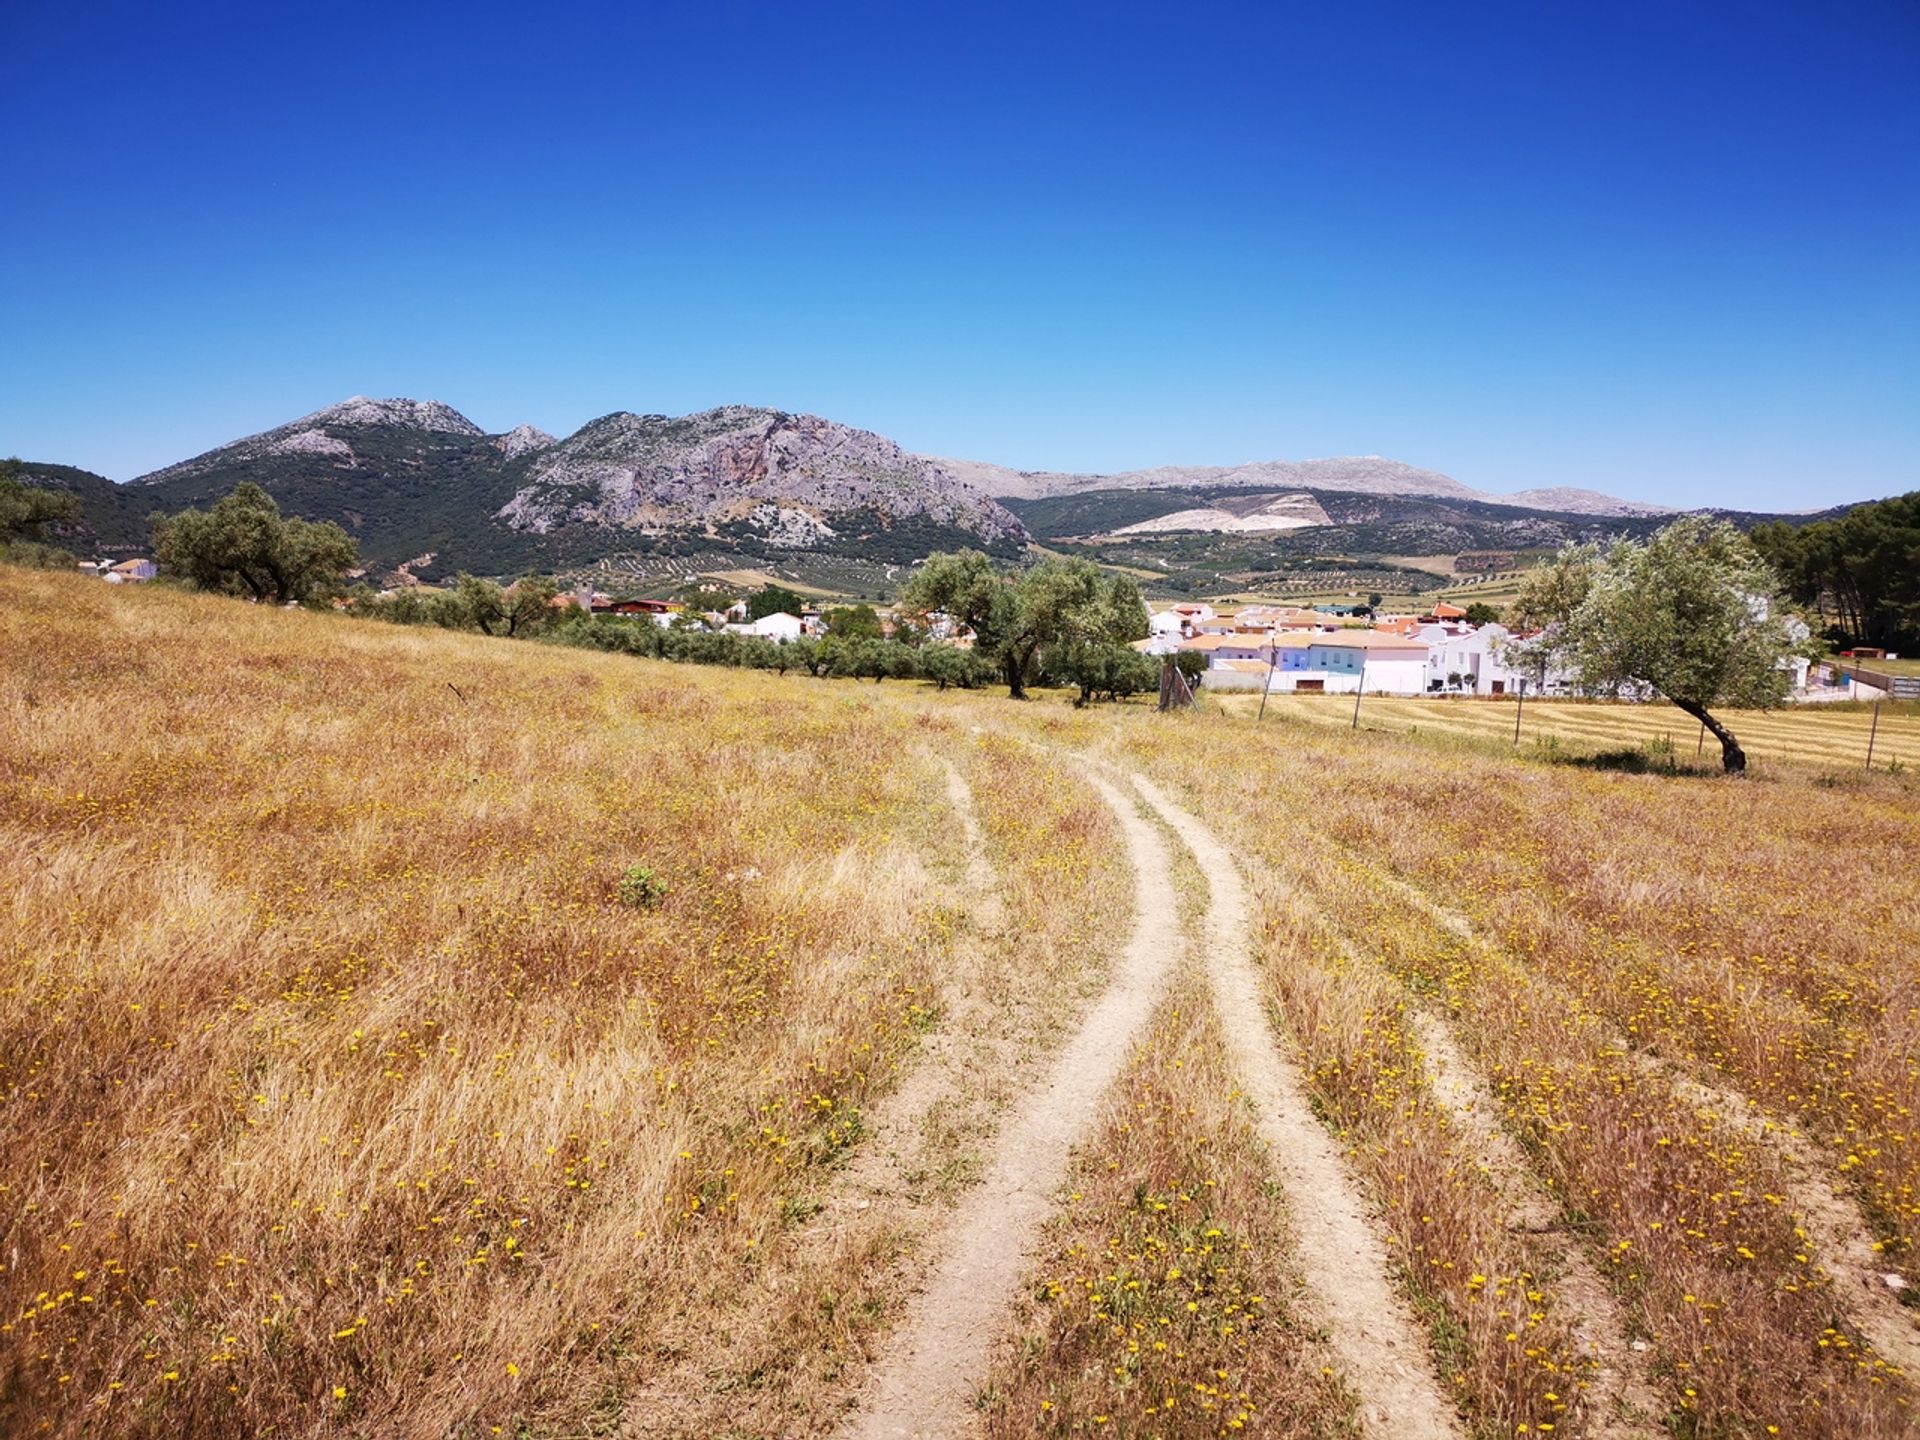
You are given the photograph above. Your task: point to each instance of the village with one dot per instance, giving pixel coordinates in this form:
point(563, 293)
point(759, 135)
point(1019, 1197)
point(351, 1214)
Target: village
point(1443, 650)
point(1279, 648)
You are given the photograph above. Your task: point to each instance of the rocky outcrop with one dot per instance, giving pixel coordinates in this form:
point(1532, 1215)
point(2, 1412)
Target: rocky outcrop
point(523, 440)
point(785, 477)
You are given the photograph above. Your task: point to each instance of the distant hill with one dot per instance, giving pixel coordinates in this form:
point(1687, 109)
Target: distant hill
point(1351, 474)
point(652, 498)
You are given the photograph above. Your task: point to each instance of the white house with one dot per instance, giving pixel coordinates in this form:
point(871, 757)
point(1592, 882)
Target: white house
point(1349, 660)
point(778, 627)
point(1481, 658)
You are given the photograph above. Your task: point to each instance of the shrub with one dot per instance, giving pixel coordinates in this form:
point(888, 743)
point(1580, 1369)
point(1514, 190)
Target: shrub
point(641, 888)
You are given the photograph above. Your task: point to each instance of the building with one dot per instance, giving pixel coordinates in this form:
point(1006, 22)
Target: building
point(779, 627)
point(130, 572)
point(1481, 660)
point(1348, 661)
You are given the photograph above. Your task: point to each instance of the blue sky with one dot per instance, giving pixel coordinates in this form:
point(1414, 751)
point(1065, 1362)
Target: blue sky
point(1668, 250)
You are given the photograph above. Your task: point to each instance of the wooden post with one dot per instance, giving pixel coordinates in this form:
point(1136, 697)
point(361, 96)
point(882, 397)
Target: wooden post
point(1358, 691)
point(1520, 709)
point(1272, 649)
point(1873, 734)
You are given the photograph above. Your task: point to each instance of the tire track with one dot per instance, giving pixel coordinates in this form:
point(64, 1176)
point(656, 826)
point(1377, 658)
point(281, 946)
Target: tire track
point(1832, 1220)
point(1623, 1401)
point(940, 1353)
point(1382, 1349)
point(896, 1148)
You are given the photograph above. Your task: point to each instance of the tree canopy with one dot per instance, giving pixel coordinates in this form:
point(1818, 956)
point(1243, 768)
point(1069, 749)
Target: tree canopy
point(1691, 613)
point(774, 600)
point(26, 510)
point(243, 546)
point(1858, 573)
point(853, 622)
point(525, 605)
point(1066, 603)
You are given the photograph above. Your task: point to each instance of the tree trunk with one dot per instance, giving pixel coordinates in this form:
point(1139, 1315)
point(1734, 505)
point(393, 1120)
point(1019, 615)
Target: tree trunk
point(1016, 676)
point(1733, 760)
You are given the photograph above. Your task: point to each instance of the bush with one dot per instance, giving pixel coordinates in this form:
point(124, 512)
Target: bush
point(641, 888)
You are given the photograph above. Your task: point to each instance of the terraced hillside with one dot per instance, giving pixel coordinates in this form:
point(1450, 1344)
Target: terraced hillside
point(420, 1034)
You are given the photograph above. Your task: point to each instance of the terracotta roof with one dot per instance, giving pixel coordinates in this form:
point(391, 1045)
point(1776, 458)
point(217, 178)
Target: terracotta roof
point(1444, 611)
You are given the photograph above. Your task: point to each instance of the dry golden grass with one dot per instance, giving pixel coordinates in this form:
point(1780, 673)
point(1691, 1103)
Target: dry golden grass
point(1165, 1304)
point(342, 1094)
point(1822, 735)
point(1742, 932)
point(339, 1084)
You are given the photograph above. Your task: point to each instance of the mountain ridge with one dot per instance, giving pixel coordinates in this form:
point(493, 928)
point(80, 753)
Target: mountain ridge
point(1355, 474)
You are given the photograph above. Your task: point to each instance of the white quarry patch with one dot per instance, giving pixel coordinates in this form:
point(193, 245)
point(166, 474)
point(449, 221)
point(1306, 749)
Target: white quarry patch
point(1211, 519)
point(310, 442)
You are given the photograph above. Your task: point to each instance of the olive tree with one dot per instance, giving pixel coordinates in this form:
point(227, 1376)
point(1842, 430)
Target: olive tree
point(1059, 602)
point(243, 546)
point(25, 512)
point(525, 605)
point(1691, 613)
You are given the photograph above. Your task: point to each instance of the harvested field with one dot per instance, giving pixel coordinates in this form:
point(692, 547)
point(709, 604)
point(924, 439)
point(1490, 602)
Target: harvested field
point(1830, 735)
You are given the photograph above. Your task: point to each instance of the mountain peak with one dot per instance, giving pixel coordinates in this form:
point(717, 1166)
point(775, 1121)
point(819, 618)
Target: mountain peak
point(399, 413)
point(522, 439)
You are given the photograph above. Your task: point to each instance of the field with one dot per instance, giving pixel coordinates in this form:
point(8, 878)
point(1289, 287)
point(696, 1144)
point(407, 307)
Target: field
point(416, 1034)
point(1815, 735)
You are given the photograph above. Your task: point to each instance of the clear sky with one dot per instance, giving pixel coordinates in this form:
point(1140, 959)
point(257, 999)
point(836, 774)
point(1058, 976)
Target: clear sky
point(1665, 249)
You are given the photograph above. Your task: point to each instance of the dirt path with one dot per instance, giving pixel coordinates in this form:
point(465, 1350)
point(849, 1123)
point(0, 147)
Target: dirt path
point(1843, 1243)
point(1383, 1352)
point(941, 1105)
point(939, 1355)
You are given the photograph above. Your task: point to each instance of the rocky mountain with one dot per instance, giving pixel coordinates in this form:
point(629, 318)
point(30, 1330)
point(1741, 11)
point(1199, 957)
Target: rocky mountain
point(1351, 474)
point(791, 481)
point(417, 482)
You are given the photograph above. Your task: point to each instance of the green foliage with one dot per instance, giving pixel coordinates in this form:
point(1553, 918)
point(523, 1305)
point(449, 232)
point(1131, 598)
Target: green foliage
point(949, 665)
point(1190, 663)
point(1068, 603)
point(1115, 671)
point(1481, 613)
point(1859, 572)
point(516, 609)
point(774, 600)
point(1690, 613)
point(853, 622)
point(641, 888)
point(26, 512)
point(242, 546)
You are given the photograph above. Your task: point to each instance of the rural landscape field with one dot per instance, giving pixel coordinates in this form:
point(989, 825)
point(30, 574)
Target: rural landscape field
point(420, 1034)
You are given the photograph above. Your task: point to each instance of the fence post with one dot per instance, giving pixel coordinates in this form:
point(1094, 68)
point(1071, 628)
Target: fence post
point(1520, 709)
point(1273, 644)
point(1873, 733)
